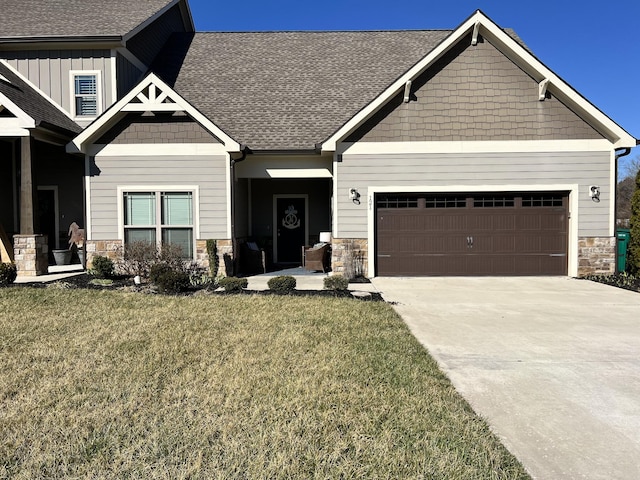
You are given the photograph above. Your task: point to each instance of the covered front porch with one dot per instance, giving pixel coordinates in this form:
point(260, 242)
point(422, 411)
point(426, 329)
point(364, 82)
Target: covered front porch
point(41, 193)
point(281, 207)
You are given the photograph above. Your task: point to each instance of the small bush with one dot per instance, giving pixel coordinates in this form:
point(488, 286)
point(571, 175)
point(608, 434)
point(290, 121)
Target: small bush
point(8, 273)
point(168, 279)
point(233, 284)
point(102, 267)
point(282, 283)
point(336, 282)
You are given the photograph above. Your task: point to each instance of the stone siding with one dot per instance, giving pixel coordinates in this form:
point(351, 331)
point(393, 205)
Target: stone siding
point(113, 250)
point(349, 255)
point(105, 248)
point(596, 255)
point(31, 254)
point(224, 253)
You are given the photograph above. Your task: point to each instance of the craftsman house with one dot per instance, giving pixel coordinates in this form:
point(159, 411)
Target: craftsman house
point(427, 152)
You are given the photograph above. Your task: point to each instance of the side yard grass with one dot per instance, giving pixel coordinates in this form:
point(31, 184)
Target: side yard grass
point(123, 385)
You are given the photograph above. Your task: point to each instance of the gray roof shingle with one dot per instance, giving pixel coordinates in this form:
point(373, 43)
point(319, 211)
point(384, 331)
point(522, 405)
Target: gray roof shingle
point(288, 90)
point(72, 18)
point(33, 103)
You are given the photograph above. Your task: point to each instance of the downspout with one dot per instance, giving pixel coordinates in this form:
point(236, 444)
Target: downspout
point(234, 244)
point(620, 152)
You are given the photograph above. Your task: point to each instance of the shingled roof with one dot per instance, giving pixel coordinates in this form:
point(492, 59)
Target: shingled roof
point(288, 90)
point(31, 102)
point(75, 18)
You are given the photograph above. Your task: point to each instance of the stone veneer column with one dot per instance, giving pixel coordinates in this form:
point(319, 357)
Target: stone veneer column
point(349, 253)
point(596, 255)
point(225, 257)
point(31, 254)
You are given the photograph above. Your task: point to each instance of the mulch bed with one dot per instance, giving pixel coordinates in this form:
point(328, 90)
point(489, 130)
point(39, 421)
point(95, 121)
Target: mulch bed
point(620, 280)
point(126, 283)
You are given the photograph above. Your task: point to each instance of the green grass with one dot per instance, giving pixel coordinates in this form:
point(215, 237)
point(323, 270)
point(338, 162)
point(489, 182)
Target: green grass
point(123, 385)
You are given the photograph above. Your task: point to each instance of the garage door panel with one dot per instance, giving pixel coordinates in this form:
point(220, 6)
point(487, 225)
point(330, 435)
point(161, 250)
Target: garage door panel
point(482, 236)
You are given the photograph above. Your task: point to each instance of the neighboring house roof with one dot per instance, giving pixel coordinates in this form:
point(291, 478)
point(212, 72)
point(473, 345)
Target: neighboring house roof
point(75, 18)
point(288, 90)
point(33, 103)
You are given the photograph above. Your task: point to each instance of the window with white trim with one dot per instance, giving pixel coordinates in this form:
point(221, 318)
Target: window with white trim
point(85, 88)
point(160, 217)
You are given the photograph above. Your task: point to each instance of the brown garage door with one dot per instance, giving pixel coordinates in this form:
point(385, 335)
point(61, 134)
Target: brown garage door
point(472, 234)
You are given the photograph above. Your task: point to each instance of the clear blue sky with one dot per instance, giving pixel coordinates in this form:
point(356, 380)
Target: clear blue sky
point(593, 45)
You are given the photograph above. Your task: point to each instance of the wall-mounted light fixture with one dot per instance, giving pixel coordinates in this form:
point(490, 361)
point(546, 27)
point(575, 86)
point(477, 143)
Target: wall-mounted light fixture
point(354, 196)
point(594, 193)
point(325, 237)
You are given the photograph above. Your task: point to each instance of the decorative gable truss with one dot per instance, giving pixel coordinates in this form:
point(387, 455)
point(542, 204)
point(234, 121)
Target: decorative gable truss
point(151, 95)
point(479, 25)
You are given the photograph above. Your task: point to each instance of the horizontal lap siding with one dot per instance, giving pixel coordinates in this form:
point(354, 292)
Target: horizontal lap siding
point(208, 173)
point(441, 170)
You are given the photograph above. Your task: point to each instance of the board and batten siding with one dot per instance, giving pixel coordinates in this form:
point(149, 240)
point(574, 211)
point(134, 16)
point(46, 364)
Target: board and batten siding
point(207, 172)
point(439, 170)
point(49, 71)
point(128, 75)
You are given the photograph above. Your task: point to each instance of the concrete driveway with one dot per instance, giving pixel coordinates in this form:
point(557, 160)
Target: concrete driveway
point(553, 364)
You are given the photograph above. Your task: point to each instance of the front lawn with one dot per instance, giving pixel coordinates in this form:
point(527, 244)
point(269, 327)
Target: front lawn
point(98, 384)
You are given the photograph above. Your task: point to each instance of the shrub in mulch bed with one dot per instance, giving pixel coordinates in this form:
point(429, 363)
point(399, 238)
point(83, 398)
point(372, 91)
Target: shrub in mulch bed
point(122, 282)
point(620, 280)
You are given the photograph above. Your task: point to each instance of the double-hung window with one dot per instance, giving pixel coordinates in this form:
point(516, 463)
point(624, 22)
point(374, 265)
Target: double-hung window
point(85, 86)
point(160, 217)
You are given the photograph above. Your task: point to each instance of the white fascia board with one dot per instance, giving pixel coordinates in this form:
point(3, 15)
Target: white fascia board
point(499, 146)
point(36, 88)
point(82, 141)
point(21, 120)
point(515, 52)
point(156, 149)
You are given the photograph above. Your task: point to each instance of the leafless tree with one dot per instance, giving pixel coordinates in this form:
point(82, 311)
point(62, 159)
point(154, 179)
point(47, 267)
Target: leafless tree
point(627, 171)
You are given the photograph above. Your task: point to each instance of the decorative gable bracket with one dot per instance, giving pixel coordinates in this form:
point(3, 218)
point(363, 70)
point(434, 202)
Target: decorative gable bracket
point(542, 89)
point(474, 35)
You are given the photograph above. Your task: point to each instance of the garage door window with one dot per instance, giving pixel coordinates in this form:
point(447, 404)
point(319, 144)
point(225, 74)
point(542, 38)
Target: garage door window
point(494, 201)
point(544, 200)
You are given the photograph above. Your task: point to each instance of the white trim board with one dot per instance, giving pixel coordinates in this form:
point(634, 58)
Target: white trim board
point(156, 149)
point(506, 146)
point(574, 194)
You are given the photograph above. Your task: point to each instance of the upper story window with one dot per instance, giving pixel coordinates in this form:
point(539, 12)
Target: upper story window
point(85, 88)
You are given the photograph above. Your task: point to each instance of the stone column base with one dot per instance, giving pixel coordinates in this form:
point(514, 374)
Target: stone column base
point(596, 255)
point(349, 256)
point(105, 248)
point(31, 254)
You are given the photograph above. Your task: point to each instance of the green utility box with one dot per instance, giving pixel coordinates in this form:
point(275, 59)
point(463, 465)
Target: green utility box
point(623, 236)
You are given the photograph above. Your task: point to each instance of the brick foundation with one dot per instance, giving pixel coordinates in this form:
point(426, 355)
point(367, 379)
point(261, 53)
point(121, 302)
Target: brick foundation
point(349, 256)
point(31, 254)
point(596, 255)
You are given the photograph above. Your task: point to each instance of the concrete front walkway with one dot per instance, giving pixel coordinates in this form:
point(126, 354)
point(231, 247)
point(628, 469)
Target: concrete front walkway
point(553, 364)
